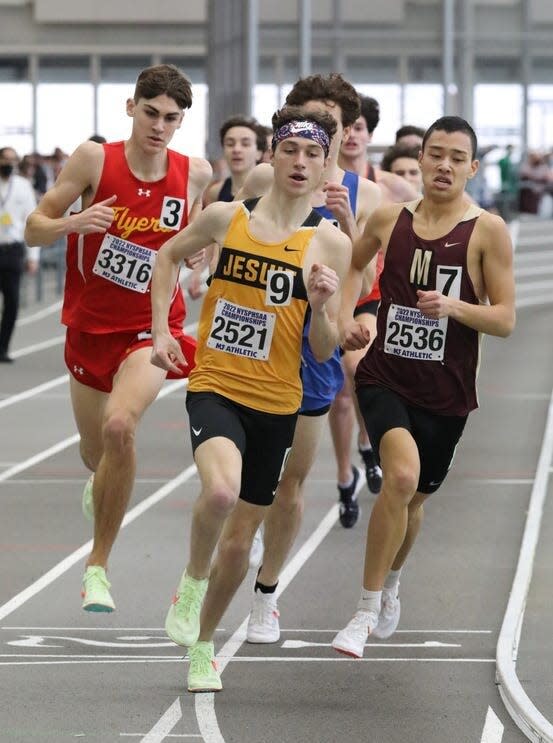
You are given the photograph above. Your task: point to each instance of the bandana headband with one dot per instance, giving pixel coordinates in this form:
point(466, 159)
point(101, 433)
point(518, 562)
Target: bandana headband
point(305, 129)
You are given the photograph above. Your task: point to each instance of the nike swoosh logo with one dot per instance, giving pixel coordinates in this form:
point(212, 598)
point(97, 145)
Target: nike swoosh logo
point(291, 250)
point(198, 432)
point(450, 245)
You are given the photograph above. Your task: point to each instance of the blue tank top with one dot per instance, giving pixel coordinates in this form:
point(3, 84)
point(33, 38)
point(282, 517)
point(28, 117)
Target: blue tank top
point(323, 381)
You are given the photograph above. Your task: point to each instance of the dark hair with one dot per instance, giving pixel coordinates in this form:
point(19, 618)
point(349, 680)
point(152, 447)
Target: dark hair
point(333, 88)
point(250, 123)
point(296, 113)
point(407, 129)
point(370, 111)
point(451, 124)
point(164, 79)
point(97, 138)
point(395, 152)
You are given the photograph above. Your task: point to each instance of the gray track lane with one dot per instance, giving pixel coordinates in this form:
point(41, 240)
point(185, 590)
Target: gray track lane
point(454, 591)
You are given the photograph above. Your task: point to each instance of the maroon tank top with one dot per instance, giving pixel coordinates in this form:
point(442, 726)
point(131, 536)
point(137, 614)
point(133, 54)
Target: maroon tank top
point(431, 363)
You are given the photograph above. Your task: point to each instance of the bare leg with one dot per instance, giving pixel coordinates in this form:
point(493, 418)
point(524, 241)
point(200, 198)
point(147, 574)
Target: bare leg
point(220, 465)
point(387, 528)
point(230, 565)
point(283, 518)
point(342, 420)
point(136, 385)
point(414, 522)
point(345, 411)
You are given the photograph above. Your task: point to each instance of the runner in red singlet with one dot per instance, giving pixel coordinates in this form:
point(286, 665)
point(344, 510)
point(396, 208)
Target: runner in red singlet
point(134, 195)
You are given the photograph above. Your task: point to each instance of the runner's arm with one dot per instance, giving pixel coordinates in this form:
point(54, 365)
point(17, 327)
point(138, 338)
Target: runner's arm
point(498, 316)
point(80, 175)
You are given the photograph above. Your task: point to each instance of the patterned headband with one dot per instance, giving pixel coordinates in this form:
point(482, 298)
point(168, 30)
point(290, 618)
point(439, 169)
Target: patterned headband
point(306, 129)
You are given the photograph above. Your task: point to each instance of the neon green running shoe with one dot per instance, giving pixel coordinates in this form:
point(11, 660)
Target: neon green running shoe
point(202, 673)
point(95, 592)
point(88, 500)
point(183, 618)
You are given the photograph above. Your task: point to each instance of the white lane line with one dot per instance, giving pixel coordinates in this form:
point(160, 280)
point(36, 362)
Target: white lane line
point(62, 567)
point(541, 256)
point(539, 270)
point(204, 703)
point(61, 445)
point(521, 708)
point(165, 724)
point(55, 341)
point(40, 314)
point(493, 728)
point(40, 457)
point(530, 286)
point(109, 660)
point(533, 301)
point(32, 391)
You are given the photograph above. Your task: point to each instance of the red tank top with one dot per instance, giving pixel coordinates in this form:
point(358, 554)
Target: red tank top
point(430, 363)
point(107, 285)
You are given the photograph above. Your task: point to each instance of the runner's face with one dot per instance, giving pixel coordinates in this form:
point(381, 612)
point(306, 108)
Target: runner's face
point(446, 164)
point(408, 168)
point(298, 165)
point(155, 120)
point(240, 149)
point(356, 143)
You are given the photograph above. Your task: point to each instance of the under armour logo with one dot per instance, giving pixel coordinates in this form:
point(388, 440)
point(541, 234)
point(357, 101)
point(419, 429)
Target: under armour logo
point(144, 192)
point(78, 370)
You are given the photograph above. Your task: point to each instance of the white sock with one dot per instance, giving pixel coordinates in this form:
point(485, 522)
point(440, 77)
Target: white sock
point(392, 579)
point(365, 447)
point(370, 601)
point(346, 485)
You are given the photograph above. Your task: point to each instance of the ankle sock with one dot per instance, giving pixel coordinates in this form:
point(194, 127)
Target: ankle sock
point(348, 484)
point(370, 601)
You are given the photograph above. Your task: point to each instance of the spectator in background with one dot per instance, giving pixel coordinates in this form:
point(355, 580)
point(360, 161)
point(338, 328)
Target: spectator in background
point(509, 184)
point(478, 188)
point(17, 201)
point(535, 177)
point(410, 136)
point(403, 161)
point(31, 168)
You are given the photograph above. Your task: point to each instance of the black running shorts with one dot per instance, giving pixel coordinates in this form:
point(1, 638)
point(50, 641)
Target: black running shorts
point(263, 439)
point(436, 436)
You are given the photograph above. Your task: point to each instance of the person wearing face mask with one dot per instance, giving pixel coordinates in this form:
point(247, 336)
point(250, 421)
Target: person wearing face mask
point(17, 201)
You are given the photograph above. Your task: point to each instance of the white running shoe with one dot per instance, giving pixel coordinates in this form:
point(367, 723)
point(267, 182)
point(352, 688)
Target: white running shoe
point(263, 626)
point(351, 640)
point(256, 550)
point(87, 502)
point(388, 619)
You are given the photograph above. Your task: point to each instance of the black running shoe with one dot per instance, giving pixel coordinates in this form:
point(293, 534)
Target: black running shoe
point(349, 507)
point(372, 470)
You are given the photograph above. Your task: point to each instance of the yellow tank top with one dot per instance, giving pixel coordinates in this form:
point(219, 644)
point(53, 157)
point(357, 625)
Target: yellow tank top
point(250, 329)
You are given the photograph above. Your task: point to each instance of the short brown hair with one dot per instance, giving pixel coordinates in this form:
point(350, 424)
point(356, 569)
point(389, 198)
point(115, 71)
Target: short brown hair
point(164, 79)
point(331, 87)
point(395, 152)
point(296, 113)
point(249, 122)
